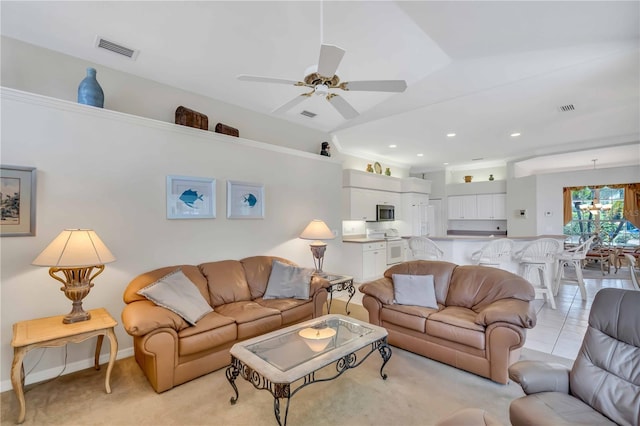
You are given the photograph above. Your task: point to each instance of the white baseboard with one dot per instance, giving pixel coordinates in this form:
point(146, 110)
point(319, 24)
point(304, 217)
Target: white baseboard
point(50, 373)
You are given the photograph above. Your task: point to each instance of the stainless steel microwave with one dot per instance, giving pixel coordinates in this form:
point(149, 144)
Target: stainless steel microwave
point(385, 212)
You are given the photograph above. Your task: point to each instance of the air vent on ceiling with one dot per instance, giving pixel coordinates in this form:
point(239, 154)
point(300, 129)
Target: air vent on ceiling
point(308, 113)
point(116, 48)
point(567, 108)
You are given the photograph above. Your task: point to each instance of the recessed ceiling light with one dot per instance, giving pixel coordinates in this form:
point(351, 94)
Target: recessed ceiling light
point(446, 164)
point(450, 135)
point(513, 135)
point(393, 146)
point(420, 155)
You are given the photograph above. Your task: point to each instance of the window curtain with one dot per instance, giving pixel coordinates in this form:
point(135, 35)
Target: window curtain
point(631, 210)
point(567, 205)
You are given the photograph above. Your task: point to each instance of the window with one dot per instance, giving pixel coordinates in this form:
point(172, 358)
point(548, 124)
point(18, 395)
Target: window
point(600, 211)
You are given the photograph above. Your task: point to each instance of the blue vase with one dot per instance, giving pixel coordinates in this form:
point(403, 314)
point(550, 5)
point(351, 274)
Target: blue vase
point(89, 91)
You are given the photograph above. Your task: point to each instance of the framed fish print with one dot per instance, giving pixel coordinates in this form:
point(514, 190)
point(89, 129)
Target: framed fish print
point(191, 197)
point(245, 200)
point(17, 201)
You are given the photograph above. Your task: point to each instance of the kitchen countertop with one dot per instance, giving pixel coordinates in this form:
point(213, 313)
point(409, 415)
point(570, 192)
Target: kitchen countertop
point(364, 240)
point(489, 237)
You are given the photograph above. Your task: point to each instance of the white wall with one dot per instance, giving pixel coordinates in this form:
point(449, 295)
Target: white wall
point(34, 69)
point(105, 170)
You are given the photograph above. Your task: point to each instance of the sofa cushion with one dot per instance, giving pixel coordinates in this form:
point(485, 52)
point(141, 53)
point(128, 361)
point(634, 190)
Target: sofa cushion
point(211, 331)
point(456, 324)
point(291, 310)
point(476, 287)
point(440, 270)
point(411, 317)
point(257, 270)
point(177, 293)
point(192, 272)
point(252, 318)
point(288, 281)
point(227, 282)
point(554, 408)
point(417, 290)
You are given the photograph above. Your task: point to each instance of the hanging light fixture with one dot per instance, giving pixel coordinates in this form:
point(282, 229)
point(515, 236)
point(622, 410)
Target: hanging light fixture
point(595, 207)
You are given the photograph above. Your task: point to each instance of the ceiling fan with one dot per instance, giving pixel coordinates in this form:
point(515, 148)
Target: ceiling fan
point(324, 78)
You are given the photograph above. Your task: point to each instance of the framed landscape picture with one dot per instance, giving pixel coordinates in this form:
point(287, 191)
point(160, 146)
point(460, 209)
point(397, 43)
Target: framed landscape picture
point(17, 201)
point(245, 200)
point(191, 197)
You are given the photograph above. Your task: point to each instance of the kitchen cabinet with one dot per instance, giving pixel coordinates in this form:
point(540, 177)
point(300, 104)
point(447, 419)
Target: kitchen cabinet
point(360, 204)
point(481, 206)
point(462, 207)
point(414, 214)
point(492, 206)
point(366, 261)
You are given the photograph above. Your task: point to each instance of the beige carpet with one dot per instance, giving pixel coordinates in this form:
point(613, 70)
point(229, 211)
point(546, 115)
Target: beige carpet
point(418, 391)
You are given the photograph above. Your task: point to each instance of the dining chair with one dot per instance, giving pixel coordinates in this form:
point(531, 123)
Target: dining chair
point(575, 257)
point(423, 248)
point(536, 264)
point(632, 269)
point(493, 253)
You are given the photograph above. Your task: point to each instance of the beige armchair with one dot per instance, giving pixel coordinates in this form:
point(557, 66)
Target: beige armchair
point(603, 386)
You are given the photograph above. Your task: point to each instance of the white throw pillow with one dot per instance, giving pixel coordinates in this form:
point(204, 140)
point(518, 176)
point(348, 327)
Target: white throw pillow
point(416, 290)
point(288, 281)
point(179, 294)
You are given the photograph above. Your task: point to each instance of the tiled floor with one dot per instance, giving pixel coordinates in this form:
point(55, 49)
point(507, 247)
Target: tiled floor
point(560, 331)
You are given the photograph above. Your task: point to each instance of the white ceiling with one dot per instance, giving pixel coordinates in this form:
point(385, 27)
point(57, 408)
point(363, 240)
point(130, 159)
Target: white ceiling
point(480, 69)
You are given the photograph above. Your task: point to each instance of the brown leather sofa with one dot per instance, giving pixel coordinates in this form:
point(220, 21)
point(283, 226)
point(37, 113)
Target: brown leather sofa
point(603, 386)
point(170, 351)
point(479, 326)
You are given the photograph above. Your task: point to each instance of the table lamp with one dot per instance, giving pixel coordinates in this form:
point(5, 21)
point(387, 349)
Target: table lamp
point(75, 253)
point(317, 230)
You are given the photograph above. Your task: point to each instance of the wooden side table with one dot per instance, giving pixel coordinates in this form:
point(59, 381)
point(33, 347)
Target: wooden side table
point(340, 283)
point(51, 332)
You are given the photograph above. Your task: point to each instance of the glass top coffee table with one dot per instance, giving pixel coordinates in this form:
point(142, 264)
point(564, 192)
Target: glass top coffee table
point(276, 361)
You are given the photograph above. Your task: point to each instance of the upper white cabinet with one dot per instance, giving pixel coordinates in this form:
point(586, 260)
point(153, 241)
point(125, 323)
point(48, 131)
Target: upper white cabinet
point(463, 207)
point(362, 191)
point(358, 204)
point(481, 206)
point(492, 206)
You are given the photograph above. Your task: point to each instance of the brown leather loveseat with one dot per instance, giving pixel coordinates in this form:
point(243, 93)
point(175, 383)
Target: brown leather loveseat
point(170, 351)
point(478, 325)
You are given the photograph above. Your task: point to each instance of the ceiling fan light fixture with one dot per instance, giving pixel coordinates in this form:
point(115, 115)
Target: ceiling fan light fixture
point(321, 90)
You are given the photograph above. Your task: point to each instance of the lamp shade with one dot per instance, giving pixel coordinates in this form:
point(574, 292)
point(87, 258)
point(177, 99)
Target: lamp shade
point(75, 248)
point(317, 230)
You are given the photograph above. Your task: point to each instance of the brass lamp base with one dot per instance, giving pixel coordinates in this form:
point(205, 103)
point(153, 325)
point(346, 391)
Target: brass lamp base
point(76, 287)
point(77, 314)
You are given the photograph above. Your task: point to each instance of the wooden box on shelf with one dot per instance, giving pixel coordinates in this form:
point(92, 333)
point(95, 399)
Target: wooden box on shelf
point(227, 130)
point(191, 118)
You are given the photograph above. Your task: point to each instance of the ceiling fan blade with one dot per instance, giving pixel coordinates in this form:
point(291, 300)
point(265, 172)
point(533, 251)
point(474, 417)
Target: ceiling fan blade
point(342, 106)
point(375, 86)
point(330, 57)
point(244, 77)
point(293, 102)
